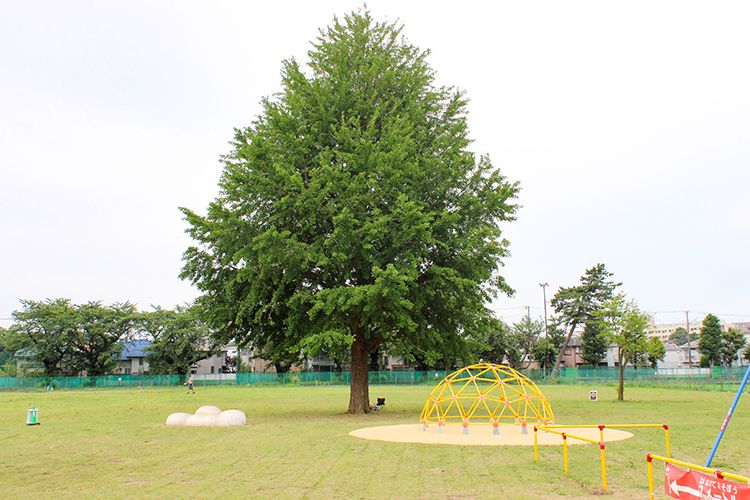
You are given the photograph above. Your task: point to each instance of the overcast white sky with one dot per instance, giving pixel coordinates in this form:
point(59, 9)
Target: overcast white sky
point(627, 124)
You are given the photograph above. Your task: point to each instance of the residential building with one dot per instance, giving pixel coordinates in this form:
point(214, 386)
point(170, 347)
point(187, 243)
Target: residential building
point(26, 361)
point(132, 359)
point(680, 356)
point(216, 363)
point(573, 353)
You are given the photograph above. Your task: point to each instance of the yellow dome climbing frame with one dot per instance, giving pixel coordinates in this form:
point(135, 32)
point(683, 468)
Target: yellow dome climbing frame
point(486, 392)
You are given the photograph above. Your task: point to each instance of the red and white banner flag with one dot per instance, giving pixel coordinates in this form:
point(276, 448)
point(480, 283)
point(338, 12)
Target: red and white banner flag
point(689, 484)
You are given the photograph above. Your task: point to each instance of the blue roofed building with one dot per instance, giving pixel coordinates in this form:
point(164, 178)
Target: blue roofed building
point(132, 360)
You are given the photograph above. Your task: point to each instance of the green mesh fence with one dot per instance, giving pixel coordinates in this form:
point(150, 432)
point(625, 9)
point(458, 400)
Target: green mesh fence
point(716, 379)
point(89, 382)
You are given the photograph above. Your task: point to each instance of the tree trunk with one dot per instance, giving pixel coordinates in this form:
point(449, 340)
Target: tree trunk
point(621, 386)
point(558, 360)
point(359, 392)
point(49, 368)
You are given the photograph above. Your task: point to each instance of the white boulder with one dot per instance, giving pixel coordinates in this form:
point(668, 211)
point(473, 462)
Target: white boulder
point(208, 410)
point(177, 418)
point(201, 420)
point(232, 417)
point(208, 416)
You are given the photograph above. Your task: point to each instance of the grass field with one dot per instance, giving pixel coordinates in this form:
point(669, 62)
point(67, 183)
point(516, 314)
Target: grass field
point(114, 444)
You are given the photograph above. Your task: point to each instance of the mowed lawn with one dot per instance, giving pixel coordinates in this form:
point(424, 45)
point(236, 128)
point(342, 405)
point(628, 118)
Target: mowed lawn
point(113, 443)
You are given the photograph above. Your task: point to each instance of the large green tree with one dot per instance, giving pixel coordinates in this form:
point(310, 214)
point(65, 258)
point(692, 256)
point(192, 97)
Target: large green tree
point(578, 304)
point(352, 204)
point(710, 342)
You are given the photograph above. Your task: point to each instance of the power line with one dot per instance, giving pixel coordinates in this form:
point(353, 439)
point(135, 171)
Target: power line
point(718, 314)
point(700, 312)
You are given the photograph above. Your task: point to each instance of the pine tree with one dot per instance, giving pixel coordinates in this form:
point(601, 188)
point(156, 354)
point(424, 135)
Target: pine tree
point(576, 305)
point(594, 343)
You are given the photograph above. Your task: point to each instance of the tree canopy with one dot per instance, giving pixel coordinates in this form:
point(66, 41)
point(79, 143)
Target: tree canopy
point(731, 342)
point(680, 336)
point(73, 338)
point(352, 208)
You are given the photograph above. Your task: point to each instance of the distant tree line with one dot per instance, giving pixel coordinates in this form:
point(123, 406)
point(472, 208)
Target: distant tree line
point(70, 339)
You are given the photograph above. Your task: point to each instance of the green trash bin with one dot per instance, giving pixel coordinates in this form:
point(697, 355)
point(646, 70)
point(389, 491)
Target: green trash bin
point(32, 416)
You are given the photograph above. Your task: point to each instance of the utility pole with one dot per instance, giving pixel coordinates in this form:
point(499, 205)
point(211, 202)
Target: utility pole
point(546, 333)
point(687, 327)
point(544, 293)
point(528, 313)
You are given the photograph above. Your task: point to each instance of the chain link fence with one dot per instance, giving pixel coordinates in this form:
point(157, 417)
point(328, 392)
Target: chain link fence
point(716, 379)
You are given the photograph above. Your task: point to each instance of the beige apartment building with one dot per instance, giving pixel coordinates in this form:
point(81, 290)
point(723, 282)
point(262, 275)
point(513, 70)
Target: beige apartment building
point(662, 331)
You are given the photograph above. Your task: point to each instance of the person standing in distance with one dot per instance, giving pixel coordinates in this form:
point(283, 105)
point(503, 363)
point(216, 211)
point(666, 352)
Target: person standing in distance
point(189, 384)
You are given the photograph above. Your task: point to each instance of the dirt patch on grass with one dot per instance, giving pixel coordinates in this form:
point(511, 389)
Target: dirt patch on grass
point(480, 435)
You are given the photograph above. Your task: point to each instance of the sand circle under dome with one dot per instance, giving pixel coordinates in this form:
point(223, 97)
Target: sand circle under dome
point(481, 435)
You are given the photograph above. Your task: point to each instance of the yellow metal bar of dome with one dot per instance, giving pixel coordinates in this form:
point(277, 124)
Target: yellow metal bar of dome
point(489, 412)
point(473, 408)
point(471, 393)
